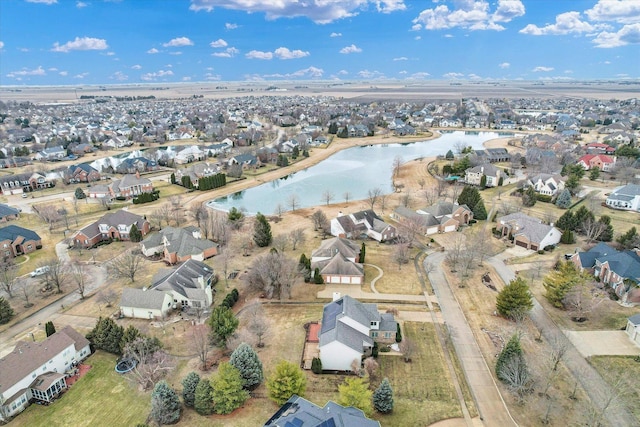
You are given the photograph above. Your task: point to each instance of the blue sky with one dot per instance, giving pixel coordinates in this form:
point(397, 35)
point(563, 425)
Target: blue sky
point(71, 42)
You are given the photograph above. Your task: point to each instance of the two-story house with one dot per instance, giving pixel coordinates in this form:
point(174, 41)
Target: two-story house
point(365, 222)
point(112, 226)
point(547, 184)
point(601, 161)
point(442, 217)
point(81, 173)
point(491, 173)
point(178, 245)
point(129, 186)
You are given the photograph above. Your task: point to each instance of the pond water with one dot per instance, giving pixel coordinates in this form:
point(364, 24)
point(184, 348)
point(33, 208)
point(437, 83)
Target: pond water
point(355, 170)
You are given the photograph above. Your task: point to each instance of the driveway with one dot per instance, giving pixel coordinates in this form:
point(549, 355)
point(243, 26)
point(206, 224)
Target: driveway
point(602, 343)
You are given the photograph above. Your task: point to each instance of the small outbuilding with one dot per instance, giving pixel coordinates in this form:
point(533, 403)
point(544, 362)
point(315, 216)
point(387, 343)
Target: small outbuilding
point(145, 304)
point(633, 328)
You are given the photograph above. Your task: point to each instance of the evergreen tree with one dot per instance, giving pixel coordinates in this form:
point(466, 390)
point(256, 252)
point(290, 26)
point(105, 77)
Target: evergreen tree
point(529, 197)
point(479, 211)
point(165, 405)
point(135, 235)
point(564, 199)
point(235, 216)
point(567, 221)
point(333, 128)
point(316, 365)
point(572, 183)
point(581, 216)
point(287, 380)
point(559, 282)
point(449, 155)
point(354, 391)
point(189, 385)
point(129, 335)
point(469, 196)
point(173, 178)
point(629, 239)
point(607, 232)
point(317, 277)
point(594, 174)
point(79, 194)
point(483, 181)
point(203, 400)
point(6, 312)
point(383, 397)
point(228, 394)
point(246, 361)
point(106, 335)
point(363, 252)
point(262, 231)
point(49, 328)
point(223, 324)
point(567, 237)
point(510, 354)
point(514, 299)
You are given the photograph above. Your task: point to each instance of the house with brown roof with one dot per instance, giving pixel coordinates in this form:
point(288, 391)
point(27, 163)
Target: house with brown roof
point(338, 261)
point(35, 371)
point(528, 232)
point(130, 185)
point(363, 223)
point(112, 226)
point(442, 217)
point(178, 245)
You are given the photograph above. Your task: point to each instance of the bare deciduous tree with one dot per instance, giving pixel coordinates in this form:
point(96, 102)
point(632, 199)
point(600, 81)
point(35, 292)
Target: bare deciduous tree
point(199, 342)
point(152, 364)
point(199, 212)
point(319, 219)
point(48, 214)
point(347, 196)
point(407, 348)
point(107, 297)
point(127, 265)
point(257, 322)
point(401, 254)
point(421, 183)
point(274, 274)
point(293, 201)
point(8, 276)
point(161, 215)
point(280, 242)
point(25, 291)
point(296, 237)
point(56, 274)
point(327, 196)
point(218, 227)
point(279, 210)
point(382, 201)
point(593, 229)
point(410, 228)
point(373, 195)
point(371, 367)
point(79, 277)
point(397, 165)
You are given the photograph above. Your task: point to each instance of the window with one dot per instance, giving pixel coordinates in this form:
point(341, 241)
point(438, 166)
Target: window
point(374, 334)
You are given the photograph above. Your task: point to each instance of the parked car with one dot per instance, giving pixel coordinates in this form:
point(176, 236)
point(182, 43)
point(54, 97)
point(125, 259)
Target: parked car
point(25, 195)
point(40, 271)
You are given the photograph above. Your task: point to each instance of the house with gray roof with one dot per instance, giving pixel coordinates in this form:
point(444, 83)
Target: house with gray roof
point(190, 284)
point(363, 223)
point(179, 245)
point(442, 217)
point(299, 412)
point(348, 331)
point(35, 371)
point(338, 261)
point(546, 183)
point(145, 304)
point(112, 226)
point(626, 198)
point(633, 328)
point(8, 213)
point(528, 232)
point(492, 174)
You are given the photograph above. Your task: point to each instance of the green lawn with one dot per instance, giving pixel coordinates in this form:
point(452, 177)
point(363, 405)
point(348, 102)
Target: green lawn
point(614, 367)
point(101, 398)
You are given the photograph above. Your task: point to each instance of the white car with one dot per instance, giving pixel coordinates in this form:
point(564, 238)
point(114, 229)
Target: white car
point(40, 271)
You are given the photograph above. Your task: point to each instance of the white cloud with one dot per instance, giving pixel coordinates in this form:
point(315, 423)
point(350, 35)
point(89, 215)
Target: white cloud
point(504, 65)
point(1, 45)
point(119, 76)
point(566, 23)
point(80, 76)
point(542, 69)
point(47, 2)
point(453, 75)
point(403, 72)
point(230, 26)
point(110, 53)
point(218, 43)
point(136, 67)
point(28, 72)
point(24, 49)
point(175, 53)
point(321, 12)
point(473, 76)
point(178, 42)
point(628, 34)
point(52, 69)
point(469, 14)
point(81, 43)
point(81, 4)
point(284, 53)
point(350, 49)
point(335, 35)
point(448, 36)
point(256, 54)
point(229, 52)
point(186, 79)
point(366, 74)
point(343, 72)
point(401, 58)
point(156, 75)
point(153, 50)
point(210, 76)
point(621, 11)
point(420, 75)
point(64, 73)
point(311, 72)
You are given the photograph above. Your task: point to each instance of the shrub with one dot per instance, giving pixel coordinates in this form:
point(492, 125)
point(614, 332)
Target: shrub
point(398, 333)
point(316, 365)
point(385, 349)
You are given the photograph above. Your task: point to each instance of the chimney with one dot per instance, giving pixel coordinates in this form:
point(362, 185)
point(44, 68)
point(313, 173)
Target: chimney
point(336, 296)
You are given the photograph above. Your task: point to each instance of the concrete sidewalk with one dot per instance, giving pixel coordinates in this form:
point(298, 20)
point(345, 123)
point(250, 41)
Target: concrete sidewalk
point(602, 343)
point(355, 292)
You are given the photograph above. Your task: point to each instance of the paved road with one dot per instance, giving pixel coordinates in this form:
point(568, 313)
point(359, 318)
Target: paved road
point(492, 408)
point(593, 384)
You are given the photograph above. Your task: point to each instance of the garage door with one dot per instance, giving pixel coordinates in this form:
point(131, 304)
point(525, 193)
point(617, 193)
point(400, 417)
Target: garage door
point(534, 247)
point(449, 228)
point(521, 243)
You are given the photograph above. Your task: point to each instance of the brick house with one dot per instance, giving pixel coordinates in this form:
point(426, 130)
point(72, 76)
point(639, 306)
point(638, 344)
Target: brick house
point(16, 240)
point(112, 226)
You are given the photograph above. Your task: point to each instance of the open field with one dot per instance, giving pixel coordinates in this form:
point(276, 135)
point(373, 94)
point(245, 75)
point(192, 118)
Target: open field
point(100, 398)
point(622, 374)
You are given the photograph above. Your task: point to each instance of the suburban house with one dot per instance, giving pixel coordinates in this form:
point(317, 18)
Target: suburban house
point(112, 226)
point(338, 261)
point(491, 173)
point(16, 240)
point(443, 217)
point(130, 186)
point(81, 173)
point(145, 304)
point(51, 154)
point(599, 148)
point(7, 213)
point(190, 284)
point(244, 160)
point(197, 171)
point(349, 330)
point(633, 328)
point(618, 269)
point(601, 161)
point(493, 155)
point(299, 412)
point(178, 245)
point(35, 371)
point(136, 164)
point(546, 184)
point(626, 198)
point(23, 182)
point(362, 223)
point(528, 232)
point(189, 155)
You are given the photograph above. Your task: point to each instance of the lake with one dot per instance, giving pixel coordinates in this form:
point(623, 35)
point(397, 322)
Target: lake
point(356, 170)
